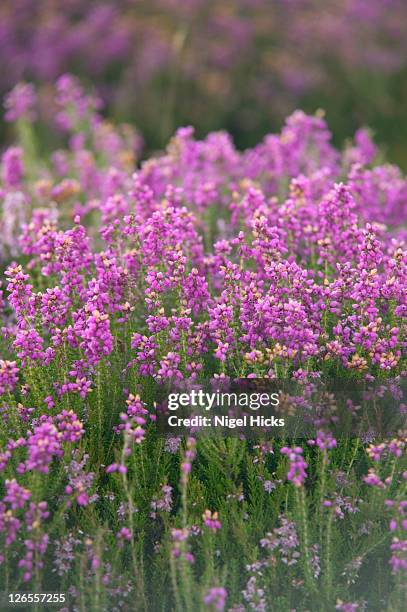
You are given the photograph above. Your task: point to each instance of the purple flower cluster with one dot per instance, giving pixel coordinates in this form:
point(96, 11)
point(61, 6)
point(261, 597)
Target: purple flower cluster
point(43, 445)
point(284, 539)
point(297, 466)
point(20, 102)
point(398, 525)
point(216, 597)
point(162, 503)
point(129, 49)
point(206, 263)
point(190, 454)
point(8, 375)
point(80, 482)
point(211, 520)
point(179, 545)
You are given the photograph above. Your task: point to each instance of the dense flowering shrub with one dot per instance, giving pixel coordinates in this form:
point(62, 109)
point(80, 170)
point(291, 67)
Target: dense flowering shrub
point(166, 62)
point(203, 263)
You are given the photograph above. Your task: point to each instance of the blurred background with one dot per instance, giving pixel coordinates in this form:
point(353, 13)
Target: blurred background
point(240, 65)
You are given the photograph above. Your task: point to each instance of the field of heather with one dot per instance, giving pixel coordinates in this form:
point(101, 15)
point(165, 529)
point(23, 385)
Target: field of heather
point(154, 286)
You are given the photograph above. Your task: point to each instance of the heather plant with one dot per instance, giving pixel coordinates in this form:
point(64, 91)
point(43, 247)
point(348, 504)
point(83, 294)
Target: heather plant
point(200, 265)
point(240, 64)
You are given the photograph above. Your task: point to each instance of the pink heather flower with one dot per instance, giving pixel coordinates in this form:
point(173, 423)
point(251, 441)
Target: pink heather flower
point(75, 105)
point(394, 447)
point(254, 595)
point(82, 499)
point(123, 535)
point(216, 596)
point(9, 524)
point(189, 456)
point(116, 467)
point(131, 427)
point(211, 520)
point(399, 511)
point(269, 486)
point(80, 482)
point(12, 167)
point(324, 440)
point(69, 426)
point(136, 410)
point(49, 400)
point(285, 540)
point(347, 607)
point(43, 445)
point(172, 444)
point(30, 345)
point(93, 327)
point(297, 466)
point(375, 451)
point(169, 366)
point(16, 495)
point(373, 479)
point(179, 535)
point(163, 502)
point(179, 539)
point(364, 150)
point(19, 103)
point(35, 549)
point(4, 459)
point(8, 375)
point(398, 560)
